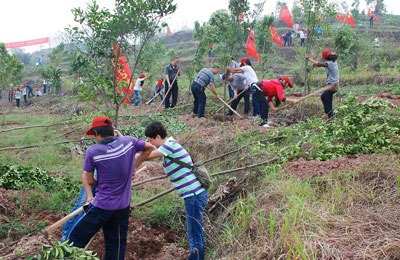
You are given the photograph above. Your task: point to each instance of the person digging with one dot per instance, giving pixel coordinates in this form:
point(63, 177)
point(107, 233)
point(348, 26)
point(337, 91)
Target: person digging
point(264, 91)
point(332, 79)
point(114, 159)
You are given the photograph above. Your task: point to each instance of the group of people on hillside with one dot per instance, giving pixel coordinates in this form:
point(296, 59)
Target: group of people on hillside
point(25, 92)
point(298, 32)
point(110, 165)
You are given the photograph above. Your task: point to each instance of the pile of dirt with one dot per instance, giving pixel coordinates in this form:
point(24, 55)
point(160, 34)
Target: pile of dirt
point(394, 99)
point(303, 168)
point(152, 169)
point(146, 243)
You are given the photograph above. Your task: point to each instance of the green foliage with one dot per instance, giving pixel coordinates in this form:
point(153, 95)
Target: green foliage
point(346, 45)
point(57, 54)
point(361, 127)
point(172, 125)
point(24, 178)
point(126, 30)
point(63, 250)
point(11, 68)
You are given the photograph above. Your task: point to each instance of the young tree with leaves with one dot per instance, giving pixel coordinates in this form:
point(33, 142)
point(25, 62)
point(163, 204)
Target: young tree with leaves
point(105, 36)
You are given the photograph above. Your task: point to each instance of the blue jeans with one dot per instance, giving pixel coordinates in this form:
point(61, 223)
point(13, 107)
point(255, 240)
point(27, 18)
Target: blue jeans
point(262, 101)
point(44, 89)
point(256, 106)
point(231, 92)
point(194, 206)
point(138, 97)
point(79, 203)
point(200, 99)
point(115, 229)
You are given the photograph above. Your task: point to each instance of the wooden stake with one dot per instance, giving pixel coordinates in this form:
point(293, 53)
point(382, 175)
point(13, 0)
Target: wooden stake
point(230, 101)
point(228, 106)
point(43, 145)
point(61, 222)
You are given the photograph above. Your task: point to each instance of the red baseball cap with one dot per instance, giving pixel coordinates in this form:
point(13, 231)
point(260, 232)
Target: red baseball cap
point(99, 121)
point(325, 53)
point(287, 79)
point(23, 86)
point(244, 60)
point(159, 83)
point(26, 82)
point(17, 89)
point(142, 75)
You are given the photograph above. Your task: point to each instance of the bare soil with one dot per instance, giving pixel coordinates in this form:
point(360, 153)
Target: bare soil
point(394, 99)
point(305, 169)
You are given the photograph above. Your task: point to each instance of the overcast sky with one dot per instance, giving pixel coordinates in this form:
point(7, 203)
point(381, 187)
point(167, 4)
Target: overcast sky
point(31, 19)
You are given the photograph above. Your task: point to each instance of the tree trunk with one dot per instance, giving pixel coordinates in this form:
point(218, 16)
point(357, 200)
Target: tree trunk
point(116, 116)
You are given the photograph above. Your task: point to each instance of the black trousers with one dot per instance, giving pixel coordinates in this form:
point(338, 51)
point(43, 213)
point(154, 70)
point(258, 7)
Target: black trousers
point(17, 101)
point(327, 100)
point(262, 101)
point(174, 93)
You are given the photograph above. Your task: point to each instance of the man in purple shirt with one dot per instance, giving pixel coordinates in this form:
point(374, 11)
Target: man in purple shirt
point(114, 159)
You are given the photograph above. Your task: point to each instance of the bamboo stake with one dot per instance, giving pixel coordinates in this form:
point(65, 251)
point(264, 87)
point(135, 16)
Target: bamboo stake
point(166, 94)
point(43, 145)
point(61, 222)
point(32, 126)
point(228, 106)
point(305, 97)
point(215, 174)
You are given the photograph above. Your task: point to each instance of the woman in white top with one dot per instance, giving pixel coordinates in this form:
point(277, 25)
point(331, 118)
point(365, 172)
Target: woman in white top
point(138, 87)
point(251, 77)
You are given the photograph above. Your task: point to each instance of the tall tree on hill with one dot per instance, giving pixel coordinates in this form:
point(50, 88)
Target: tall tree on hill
point(380, 7)
point(105, 36)
point(263, 44)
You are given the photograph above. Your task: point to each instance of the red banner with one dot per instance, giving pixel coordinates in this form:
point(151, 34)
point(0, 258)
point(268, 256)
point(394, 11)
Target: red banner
point(286, 16)
point(275, 36)
point(339, 17)
point(251, 47)
point(350, 20)
point(27, 43)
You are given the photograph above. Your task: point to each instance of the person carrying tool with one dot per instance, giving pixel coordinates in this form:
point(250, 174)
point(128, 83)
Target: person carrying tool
point(270, 89)
point(114, 159)
point(172, 72)
point(241, 90)
point(186, 183)
point(30, 89)
point(332, 79)
point(157, 91)
point(204, 78)
point(251, 77)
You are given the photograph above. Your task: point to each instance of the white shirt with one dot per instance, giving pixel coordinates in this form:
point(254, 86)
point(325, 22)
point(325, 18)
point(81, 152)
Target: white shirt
point(18, 94)
point(24, 91)
point(296, 27)
point(250, 74)
point(138, 84)
point(38, 93)
point(302, 35)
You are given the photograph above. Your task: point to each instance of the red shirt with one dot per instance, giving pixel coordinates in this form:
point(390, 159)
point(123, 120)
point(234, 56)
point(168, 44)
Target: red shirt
point(272, 88)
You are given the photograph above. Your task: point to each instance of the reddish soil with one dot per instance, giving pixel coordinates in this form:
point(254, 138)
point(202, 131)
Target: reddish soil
point(145, 243)
point(153, 169)
point(304, 169)
point(394, 99)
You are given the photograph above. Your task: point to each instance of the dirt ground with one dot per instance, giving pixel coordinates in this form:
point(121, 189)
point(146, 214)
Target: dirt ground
point(394, 99)
point(149, 243)
point(305, 169)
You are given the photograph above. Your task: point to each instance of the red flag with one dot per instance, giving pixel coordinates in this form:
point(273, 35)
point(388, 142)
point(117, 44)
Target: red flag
point(241, 16)
point(169, 33)
point(369, 13)
point(376, 19)
point(275, 37)
point(211, 45)
point(251, 47)
point(123, 73)
point(339, 17)
point(285, 16)
point(350, 20)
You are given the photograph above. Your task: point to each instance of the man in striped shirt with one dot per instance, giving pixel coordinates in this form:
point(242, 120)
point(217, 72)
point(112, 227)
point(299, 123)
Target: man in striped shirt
point(184, 181)
point(204, 78)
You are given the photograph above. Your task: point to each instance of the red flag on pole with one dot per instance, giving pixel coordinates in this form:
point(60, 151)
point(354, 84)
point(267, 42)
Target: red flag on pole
point(123, 73)
point(241, 16)
point(376, 19)
point(285, 16)
point(275, 37)
point(251, 47)
point(350, 20)
point(339, 17)
point(169, 33)
point(369, 13)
